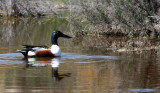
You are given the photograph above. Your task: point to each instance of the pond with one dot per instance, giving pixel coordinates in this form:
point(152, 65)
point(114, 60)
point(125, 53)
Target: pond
point(82, 68)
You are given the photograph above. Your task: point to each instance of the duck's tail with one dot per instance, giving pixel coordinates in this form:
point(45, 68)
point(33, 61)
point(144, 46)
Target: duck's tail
point(27, 48)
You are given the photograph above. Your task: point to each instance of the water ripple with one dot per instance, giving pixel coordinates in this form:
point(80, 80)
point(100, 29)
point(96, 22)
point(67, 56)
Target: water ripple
point(16, 58)
point(76, 56)
point(142, 90)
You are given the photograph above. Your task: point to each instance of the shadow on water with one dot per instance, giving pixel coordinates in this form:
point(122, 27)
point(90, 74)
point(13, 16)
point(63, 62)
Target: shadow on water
point(84, 66)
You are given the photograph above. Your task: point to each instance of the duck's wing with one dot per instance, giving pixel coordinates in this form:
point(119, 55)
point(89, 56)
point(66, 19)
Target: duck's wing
point(29, 49)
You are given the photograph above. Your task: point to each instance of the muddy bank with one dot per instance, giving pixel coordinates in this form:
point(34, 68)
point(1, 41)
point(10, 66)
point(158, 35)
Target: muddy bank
point(120, 38)
point(115, 42)
point(150, 31)
point(32, 7)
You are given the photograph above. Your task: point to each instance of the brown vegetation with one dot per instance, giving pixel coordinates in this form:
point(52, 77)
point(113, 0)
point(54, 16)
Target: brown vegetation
point(122, 17)
point(34, 8)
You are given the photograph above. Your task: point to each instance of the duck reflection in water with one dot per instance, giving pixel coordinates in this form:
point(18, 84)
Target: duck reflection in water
point(43, 62)
point(55, 65)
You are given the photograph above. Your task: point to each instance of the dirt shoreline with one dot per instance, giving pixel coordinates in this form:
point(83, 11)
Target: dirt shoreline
point(115, 42)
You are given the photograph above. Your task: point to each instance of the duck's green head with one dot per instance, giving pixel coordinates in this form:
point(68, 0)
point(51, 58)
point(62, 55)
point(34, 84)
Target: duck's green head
point(56, 34)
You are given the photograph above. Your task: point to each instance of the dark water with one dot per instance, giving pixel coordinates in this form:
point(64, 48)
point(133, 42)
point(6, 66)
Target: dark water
point(82, 68)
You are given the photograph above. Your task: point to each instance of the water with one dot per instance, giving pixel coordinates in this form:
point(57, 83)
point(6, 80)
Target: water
point(82, 68)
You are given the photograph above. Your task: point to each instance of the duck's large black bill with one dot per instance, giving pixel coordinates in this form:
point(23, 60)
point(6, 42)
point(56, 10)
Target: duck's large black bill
point(65, 36)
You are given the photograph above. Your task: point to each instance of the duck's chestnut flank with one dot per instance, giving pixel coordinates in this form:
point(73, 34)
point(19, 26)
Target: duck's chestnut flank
point(44, 53)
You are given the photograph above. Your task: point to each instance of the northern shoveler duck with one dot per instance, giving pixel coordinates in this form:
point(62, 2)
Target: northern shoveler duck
point(44, 51)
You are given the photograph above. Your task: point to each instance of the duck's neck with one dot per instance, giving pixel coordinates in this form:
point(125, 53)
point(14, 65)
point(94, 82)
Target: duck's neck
point(54, 40)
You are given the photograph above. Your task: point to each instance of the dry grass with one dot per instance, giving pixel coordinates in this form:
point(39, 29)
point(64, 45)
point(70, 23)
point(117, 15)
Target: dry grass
point(119, 17)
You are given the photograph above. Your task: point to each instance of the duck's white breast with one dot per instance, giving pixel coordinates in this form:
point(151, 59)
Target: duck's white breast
point(55, 49)
point(31, 53)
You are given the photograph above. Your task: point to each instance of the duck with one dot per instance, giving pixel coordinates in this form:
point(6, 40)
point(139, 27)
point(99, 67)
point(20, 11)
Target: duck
point(45, 51)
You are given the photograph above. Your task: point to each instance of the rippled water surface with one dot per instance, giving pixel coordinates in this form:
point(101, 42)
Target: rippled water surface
point(82, 68)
